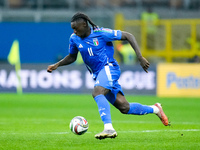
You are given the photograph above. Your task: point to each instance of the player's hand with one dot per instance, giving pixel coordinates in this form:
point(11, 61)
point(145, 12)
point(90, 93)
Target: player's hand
point(144, 63)
point(52, 67)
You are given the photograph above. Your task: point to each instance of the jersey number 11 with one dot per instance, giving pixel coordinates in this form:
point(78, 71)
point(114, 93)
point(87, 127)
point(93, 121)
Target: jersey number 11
point(90, 51)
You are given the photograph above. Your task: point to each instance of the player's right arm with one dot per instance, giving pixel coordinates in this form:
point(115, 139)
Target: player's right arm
point(65, 61)
point(73, 51)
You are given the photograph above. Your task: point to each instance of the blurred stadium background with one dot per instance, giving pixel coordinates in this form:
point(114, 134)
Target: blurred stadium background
point(168, 31)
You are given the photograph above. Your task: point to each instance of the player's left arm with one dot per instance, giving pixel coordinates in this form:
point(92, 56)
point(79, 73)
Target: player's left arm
point(131, 39)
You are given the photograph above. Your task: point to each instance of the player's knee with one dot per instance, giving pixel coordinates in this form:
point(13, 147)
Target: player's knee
point(124, 108)
point(94, 94)
point(98, 90)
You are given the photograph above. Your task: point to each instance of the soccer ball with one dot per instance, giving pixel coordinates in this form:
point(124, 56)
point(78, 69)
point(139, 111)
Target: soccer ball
point(78, 125)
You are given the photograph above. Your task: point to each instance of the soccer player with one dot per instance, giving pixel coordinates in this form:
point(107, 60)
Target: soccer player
point(96, 48)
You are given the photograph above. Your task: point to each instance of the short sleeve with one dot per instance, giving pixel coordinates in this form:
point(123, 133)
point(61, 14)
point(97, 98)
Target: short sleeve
point(72, 46)
point(111, 35)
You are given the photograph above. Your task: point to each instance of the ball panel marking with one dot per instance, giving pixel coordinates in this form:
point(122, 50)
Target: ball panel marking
point(78, 125)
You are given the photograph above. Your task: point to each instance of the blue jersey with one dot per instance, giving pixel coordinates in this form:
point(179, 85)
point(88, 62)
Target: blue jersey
point(97, 49)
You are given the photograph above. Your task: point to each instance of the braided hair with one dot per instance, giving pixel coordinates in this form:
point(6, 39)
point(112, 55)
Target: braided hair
point(83, 16)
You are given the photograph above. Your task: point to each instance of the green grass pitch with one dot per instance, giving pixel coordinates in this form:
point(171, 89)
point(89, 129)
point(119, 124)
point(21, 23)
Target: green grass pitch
point(41, 121)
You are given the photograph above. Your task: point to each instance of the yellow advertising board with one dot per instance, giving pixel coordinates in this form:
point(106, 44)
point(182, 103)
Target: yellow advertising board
point(178, 80)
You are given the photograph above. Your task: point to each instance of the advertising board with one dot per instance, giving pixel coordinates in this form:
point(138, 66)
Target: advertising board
point(179, 80)
point(73, 79)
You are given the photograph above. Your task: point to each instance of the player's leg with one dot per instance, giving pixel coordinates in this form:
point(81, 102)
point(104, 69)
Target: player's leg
point(103, 105)
point(104, 111)
point(138, 109)
point(131, 108)
point(103, 85)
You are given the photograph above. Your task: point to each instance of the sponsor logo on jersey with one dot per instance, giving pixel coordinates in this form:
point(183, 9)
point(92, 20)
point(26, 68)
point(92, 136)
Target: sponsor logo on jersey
point(80, 46)
point(95, 41)
point(97, 82)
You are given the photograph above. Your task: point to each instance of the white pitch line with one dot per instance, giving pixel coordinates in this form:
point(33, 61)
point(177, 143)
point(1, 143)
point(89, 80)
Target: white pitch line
point(127, 131)
point(143, 131)
point(186, 130)
point(41, 121)
point(153, 122)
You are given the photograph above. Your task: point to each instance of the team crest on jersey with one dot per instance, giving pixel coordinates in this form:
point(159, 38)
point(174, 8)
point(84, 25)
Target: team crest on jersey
point(95, 41)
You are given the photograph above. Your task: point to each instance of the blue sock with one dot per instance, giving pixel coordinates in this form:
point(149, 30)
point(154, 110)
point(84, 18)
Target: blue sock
point(138, 109)
point(104, 108)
